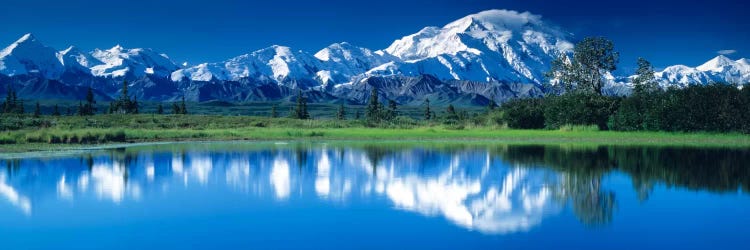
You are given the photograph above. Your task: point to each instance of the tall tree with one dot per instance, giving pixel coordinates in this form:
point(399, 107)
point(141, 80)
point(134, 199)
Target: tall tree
point(357, 115)
point(372, 112)
point(427, 111)
point(135, 105)
point(56, 111)
point(160, 109)
point(392, 109)
point(176, 109)
point(300, 110)
point(341, 114)
point(37, 110)
point(183, 106)
point(645, 81)
point(89, 108)
point(274, 111)
point(592, 59)
point(451, 112)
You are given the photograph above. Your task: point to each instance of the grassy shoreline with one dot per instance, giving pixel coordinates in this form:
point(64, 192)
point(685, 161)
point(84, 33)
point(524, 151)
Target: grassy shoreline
point(71, 132)
point(500, 136)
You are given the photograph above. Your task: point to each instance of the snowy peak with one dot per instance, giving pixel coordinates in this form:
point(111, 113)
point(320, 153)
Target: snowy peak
point(717, 64)
point(493, 45)
point(76, 60)
point(29, 56)
point(720, 69)
point(276, 64)
point(121, 62)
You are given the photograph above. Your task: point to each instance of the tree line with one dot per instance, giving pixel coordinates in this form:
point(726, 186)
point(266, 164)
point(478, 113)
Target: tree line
point(715, 107)
point(125, 104)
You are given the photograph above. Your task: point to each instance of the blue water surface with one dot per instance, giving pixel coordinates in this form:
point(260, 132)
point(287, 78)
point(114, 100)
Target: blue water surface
point(375, 196)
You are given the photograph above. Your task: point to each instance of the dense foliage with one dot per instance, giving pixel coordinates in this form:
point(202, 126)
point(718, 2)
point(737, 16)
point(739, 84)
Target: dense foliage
point(711, 108)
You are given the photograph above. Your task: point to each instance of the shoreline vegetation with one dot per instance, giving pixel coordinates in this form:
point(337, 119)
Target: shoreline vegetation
point(71, 132)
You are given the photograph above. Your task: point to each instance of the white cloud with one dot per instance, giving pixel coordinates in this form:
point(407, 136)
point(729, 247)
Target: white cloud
point(726, 52)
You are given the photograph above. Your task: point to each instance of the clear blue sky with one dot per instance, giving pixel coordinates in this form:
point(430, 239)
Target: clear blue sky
point(665, 32)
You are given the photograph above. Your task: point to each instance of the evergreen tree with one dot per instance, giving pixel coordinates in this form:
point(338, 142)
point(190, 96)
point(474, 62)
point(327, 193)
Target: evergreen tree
point(357, 115)
point(451, 113)
point(183, 107)
point(56, 111)
point(372, 112)
point(427, 112)
point(37, 110)
point(160, 109)
point(274, 112)
point(20, 109)
point(341, 114)
point(592, 58)
point(9, 103)
point(645, 81)
point(300, 110)
point(69, 111)
point(135, 105)
point(81, 112)
point(392, 110)
point(176, 109)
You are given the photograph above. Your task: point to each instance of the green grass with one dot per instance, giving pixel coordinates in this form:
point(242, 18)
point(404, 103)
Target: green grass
point(52, 133)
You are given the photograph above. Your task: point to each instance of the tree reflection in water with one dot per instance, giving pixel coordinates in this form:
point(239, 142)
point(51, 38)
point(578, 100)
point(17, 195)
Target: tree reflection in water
point(491, 189)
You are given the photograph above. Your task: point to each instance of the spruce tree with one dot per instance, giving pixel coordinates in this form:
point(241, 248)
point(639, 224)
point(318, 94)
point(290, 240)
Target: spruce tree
point(274, 111)
point(9, 104)
point(81, 112)
point(160, 109)
point(183, 107)
point(37, 110)
point(427, 112)
point(56, 111)
point(357, 115)
point(341, 114)
point(372, 112)
point(301, 108)
point(392, 110)
point(21, 109)
point(451, 113)
point(69, 111)
point(176, 109)
point(135, 105)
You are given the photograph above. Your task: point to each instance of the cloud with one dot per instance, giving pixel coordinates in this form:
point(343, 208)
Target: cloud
point(726, 52)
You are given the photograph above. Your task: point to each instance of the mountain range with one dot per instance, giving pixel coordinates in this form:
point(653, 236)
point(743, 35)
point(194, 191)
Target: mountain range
point(494, 54)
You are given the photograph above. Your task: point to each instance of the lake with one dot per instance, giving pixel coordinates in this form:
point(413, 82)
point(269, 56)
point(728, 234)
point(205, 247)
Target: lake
point(375, 195)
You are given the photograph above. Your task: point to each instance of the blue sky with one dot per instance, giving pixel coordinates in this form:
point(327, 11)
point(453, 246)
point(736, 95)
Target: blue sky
point(665, 32)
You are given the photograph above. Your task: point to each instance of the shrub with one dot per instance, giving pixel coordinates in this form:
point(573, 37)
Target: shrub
point(522, 114)
point(579, 109)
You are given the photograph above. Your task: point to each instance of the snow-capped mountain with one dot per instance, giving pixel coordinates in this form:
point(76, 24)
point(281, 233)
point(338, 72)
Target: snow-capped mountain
point(120, 62)
point(27, 56)
point(343, 61)
point(278, 64)
point(720, 69)
point(496, 53)
point(494, 45)
point(75, 60)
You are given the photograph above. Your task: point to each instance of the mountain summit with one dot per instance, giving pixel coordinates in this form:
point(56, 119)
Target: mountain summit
point(496, 53)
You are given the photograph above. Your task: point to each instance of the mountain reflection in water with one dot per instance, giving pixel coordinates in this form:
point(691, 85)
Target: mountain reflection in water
point(490, 189)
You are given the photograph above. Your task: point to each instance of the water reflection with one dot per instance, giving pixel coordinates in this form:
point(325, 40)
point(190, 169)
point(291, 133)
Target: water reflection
point(490, 189)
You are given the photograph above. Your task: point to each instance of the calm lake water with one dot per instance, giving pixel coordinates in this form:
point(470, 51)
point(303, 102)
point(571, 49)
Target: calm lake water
point(376, 195)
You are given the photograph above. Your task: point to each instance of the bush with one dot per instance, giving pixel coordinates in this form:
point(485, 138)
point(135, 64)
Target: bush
point(522, 114)
point(579, 109)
